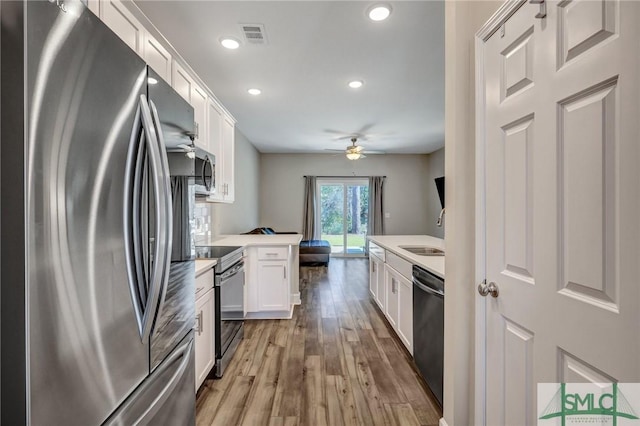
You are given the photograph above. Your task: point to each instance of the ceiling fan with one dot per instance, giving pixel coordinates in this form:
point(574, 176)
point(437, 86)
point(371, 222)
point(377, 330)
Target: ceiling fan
point(355, 152)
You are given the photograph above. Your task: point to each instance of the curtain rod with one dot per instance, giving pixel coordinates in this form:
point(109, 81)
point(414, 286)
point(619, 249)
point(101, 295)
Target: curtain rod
point(340, 177)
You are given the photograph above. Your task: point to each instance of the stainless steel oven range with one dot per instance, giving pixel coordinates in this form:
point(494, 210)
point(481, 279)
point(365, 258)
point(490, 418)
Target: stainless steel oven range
point(229, 300)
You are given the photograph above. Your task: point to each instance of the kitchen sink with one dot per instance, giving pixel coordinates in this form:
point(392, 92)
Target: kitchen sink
point(423, 250)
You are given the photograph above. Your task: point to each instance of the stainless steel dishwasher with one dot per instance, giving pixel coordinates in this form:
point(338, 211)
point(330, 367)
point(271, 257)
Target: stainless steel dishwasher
point(428, 328)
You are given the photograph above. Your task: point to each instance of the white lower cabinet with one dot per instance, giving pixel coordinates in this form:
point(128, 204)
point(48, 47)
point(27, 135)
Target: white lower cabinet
point(405, 312)
point(273, 288)
point(373, 277)
point(269, 279)
point(392, 291)
point(391, 284)
point(205, 336)
point(376, 280)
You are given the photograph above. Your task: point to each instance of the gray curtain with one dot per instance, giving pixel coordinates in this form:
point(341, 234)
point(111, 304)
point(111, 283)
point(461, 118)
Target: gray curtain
point(375, 225)
point(309, 219)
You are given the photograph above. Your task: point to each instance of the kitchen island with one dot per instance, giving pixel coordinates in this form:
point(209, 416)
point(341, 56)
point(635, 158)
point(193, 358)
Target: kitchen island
point(271, 275)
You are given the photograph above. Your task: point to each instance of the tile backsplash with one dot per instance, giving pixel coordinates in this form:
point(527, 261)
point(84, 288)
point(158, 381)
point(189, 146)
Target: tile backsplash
point(204, 223)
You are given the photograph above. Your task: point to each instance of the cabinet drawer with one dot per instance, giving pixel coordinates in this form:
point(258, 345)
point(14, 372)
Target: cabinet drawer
point(204, 282)
point(273, 253)
point(376, 250)
point(399, 264)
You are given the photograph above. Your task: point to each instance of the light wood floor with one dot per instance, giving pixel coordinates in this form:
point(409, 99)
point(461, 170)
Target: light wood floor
point(334, 363)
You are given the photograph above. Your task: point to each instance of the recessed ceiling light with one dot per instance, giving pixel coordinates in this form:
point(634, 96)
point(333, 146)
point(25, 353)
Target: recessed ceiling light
point(152, 80)
point(229, 43)
point(254, 92)
point(379, 12)
point(356, 84)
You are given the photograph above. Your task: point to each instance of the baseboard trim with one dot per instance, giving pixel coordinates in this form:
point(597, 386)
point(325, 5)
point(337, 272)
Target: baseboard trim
point(295, 299)
point(442, 422)
point(270, 315)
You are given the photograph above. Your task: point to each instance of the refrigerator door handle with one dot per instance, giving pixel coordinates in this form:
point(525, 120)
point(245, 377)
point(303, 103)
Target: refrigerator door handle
point(145, 287)
point(160, 181)
point(134, 256)
point(168, 204)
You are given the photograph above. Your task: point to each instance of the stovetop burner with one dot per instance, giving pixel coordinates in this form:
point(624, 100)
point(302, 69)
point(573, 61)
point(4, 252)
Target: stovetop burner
point(226, 256)
point(215, 252)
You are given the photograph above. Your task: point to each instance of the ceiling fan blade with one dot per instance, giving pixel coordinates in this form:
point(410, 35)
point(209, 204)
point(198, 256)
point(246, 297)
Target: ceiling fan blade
point(334, 150)
point(373, 152)
point(365, 128)
point(335, 132)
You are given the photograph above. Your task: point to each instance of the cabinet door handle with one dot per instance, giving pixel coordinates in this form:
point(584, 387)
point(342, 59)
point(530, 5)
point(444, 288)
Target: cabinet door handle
point(393, 286)
point(285, 273)
point(199, 323)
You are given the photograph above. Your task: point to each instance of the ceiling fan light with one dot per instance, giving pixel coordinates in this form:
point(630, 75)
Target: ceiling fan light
point(353, 155)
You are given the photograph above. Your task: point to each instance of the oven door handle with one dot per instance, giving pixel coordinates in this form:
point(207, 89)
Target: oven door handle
point(231, 272)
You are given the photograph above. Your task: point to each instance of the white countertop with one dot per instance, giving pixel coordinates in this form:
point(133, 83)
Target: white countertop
point(434, 264)
point(202, 265)
point(257, 240)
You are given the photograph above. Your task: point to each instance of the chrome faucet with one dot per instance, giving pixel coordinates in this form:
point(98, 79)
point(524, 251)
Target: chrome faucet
point(439, 222)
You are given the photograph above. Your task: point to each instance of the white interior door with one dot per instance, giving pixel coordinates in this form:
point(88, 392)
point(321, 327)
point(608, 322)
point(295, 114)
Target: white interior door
point(562, 201)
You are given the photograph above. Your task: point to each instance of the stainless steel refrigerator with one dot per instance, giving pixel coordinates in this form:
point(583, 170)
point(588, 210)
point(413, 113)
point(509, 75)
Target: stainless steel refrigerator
point(96, 316)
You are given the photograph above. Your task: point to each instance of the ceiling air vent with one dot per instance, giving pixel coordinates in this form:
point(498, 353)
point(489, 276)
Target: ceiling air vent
point(254, 33)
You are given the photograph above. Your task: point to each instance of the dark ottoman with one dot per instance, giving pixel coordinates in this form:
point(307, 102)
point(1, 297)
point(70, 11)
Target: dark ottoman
point(314, 252)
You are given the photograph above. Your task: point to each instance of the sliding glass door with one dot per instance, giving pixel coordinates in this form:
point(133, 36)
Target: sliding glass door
point(343, 207)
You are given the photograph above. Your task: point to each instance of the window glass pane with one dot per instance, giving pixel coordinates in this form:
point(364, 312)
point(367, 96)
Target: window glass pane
point(357, 212)
point(332, 215)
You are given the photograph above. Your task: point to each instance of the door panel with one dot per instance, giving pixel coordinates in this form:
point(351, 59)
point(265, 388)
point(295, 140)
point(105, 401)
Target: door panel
point(587, 183)
point(584, 25)
point(562, 235)
point(86, 354)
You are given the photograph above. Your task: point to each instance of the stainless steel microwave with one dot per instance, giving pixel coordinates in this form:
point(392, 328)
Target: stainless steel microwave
point(202, 168)
point(205, 173)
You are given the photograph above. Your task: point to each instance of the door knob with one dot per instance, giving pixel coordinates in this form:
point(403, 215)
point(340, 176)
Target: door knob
point(485, 289)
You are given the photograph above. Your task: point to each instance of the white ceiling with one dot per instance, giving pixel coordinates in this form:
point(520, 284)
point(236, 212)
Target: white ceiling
point(314, 49)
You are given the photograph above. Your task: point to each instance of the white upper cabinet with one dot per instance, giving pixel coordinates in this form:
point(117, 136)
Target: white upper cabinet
point(123, 23)
point(185, 85)
point(158, 58)
point(199, 99)
point(222, 145)
point(228, 158)
point(181, 82)
point(215, 117)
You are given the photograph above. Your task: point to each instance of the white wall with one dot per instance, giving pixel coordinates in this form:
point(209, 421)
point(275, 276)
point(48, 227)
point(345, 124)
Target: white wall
point(406, 194)
point(462, 20)
point(435, 169)
point(213, 219)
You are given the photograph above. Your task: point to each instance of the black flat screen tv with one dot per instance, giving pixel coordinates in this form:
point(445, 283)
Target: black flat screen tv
point(440, 187)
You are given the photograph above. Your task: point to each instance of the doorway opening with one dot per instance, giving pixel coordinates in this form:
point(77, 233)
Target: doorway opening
point(343, 209)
